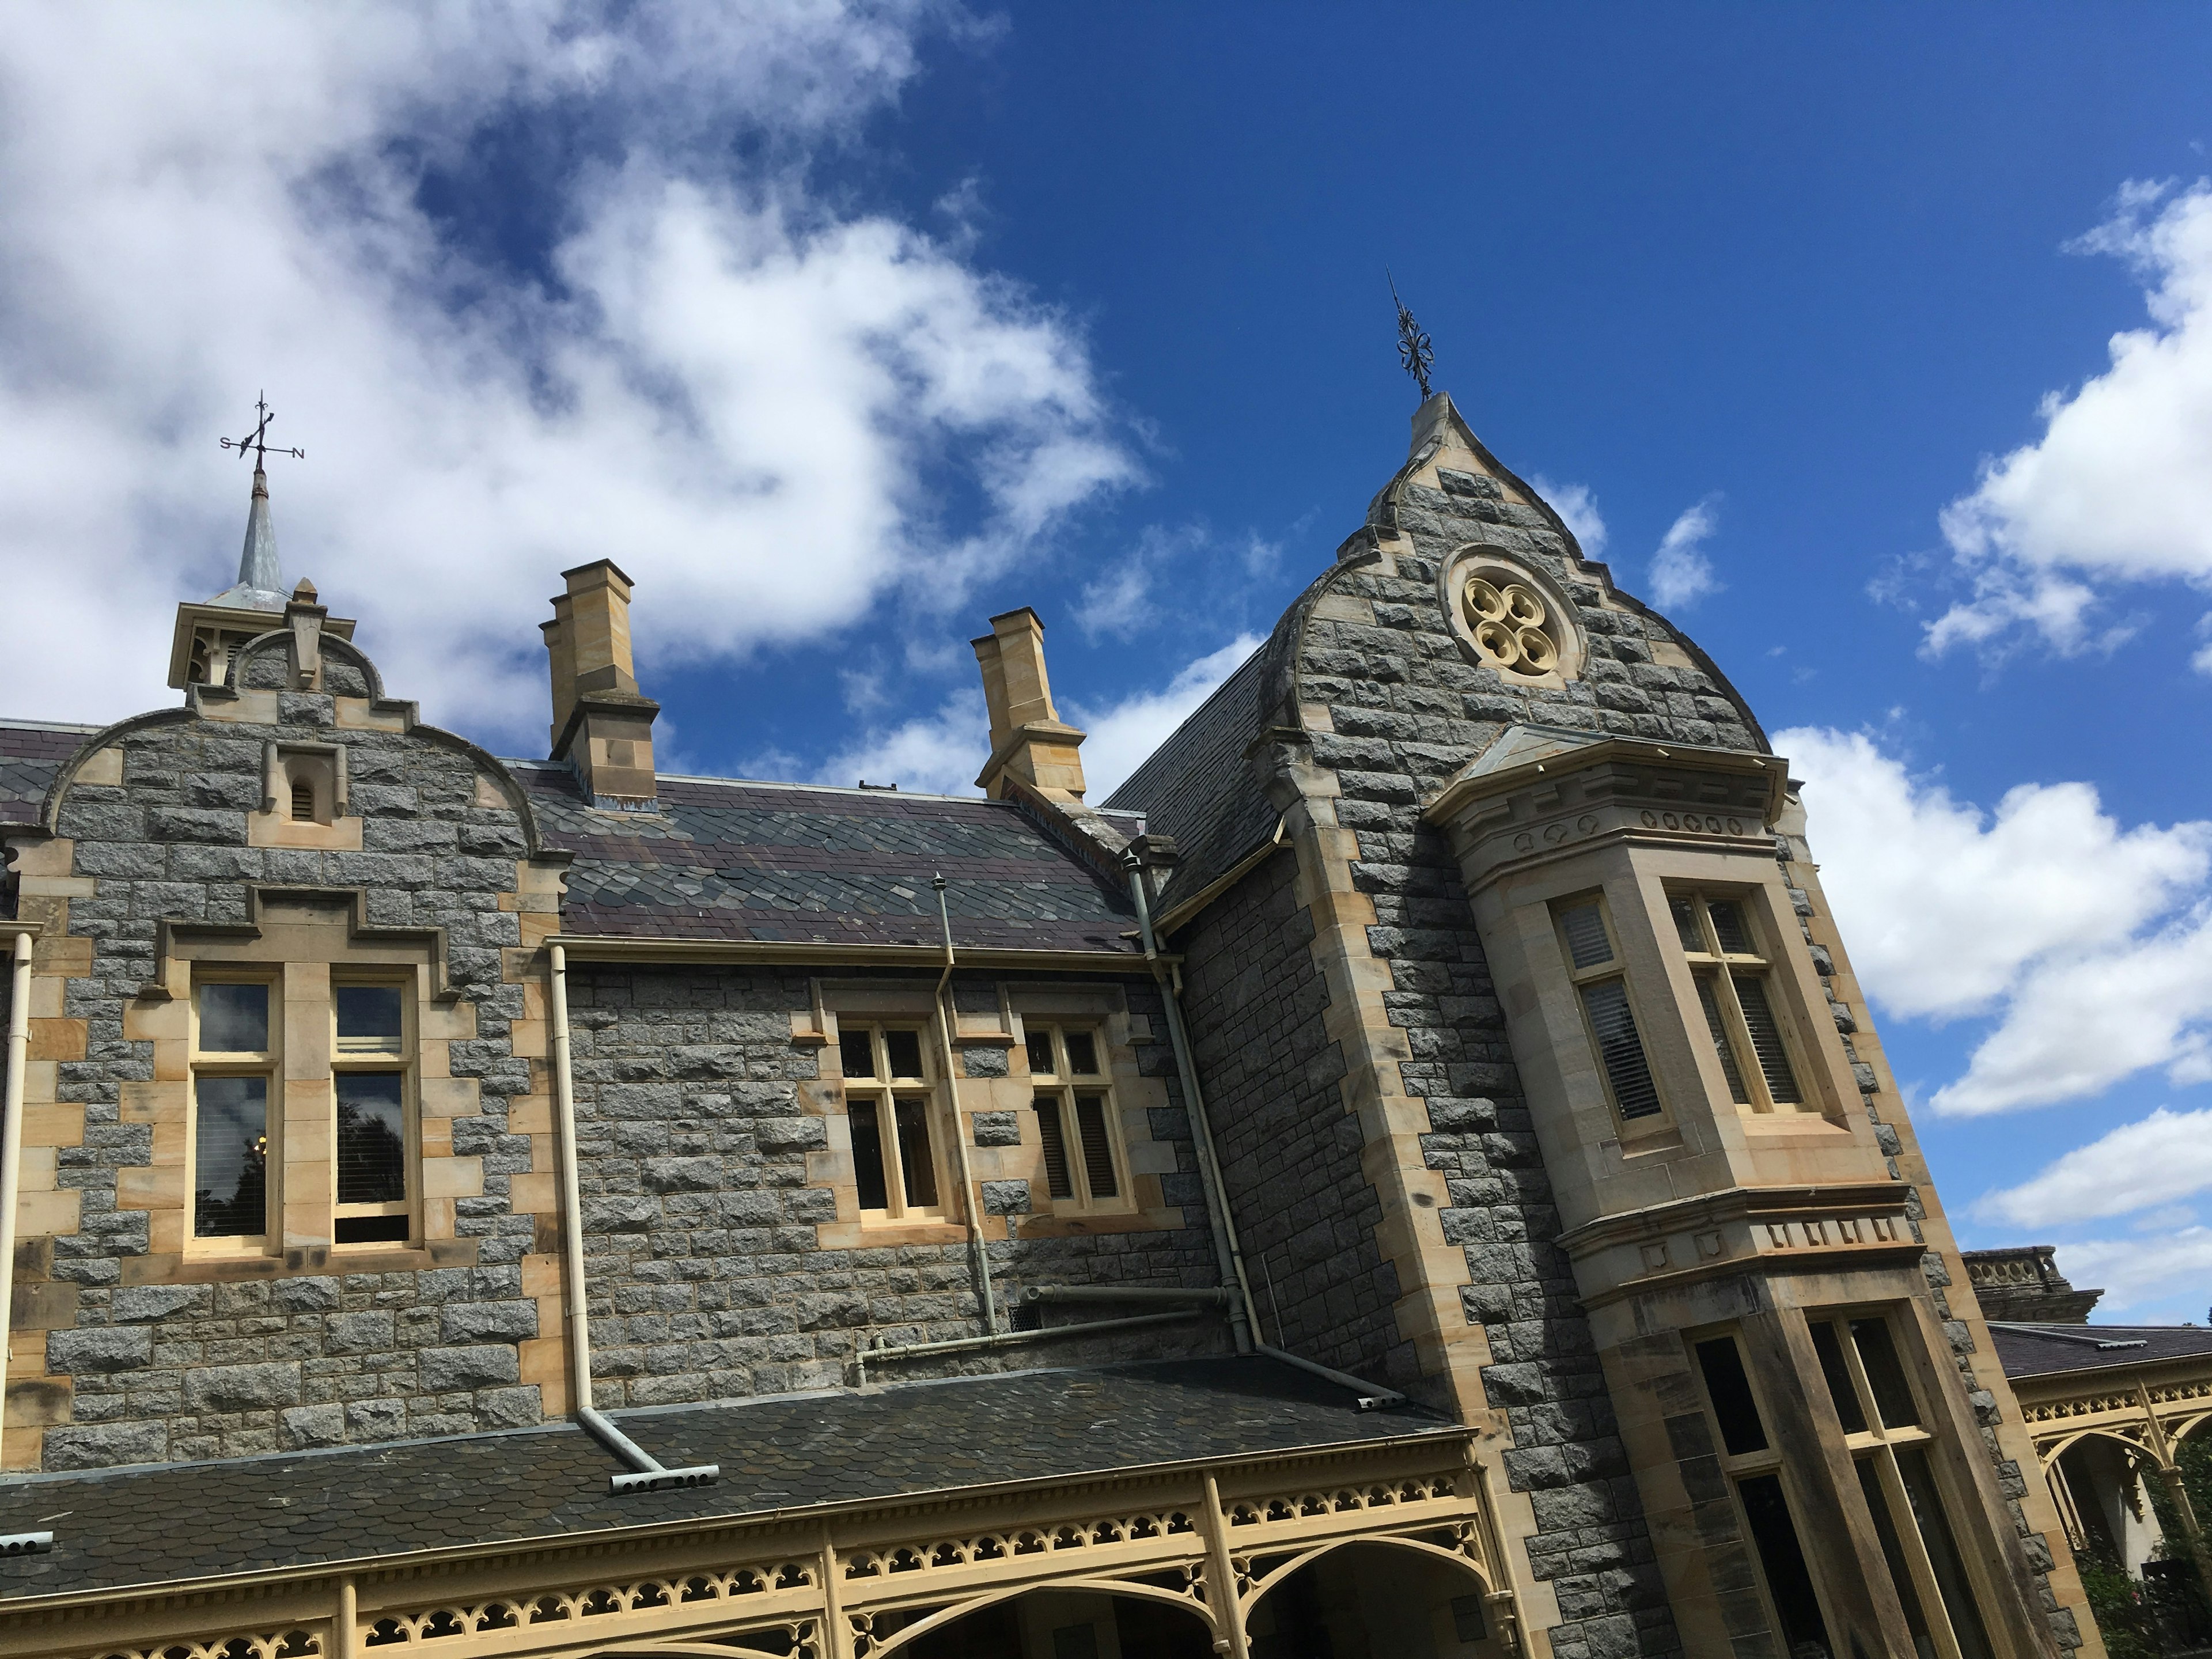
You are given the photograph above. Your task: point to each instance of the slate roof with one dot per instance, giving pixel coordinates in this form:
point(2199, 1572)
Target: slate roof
point(731, 859)
point(30, 754)
point(2042, 1350)
point(1196, 786)
point(150, 1525)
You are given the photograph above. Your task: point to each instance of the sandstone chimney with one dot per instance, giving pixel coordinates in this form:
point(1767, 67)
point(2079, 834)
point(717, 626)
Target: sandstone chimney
point(1028, 740)
point(601, 726)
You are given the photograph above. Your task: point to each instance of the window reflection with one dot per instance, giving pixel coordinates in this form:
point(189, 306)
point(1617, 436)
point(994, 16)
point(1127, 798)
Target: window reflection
point(370, 1017)
point(233, 1019)
point(231, 1156)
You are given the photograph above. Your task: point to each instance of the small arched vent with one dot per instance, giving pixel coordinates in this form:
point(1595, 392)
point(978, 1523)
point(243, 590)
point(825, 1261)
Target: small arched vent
point(303, 801)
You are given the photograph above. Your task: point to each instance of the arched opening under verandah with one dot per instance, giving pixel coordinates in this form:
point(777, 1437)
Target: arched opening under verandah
point(1373, 1599)
point(1081, 1621)
point(2100, 1492)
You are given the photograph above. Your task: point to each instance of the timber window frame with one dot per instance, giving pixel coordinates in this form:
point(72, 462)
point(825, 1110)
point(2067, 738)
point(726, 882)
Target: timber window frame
point(1884, 1409)
point(376, 1106)
point(1760, 1486)
point(1597, 968)
point(231, 1136)
point(898, 1175)
point(1741, 1008)
point(1071, 1095)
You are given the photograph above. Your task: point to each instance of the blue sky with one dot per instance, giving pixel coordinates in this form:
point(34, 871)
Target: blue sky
point(841, 328)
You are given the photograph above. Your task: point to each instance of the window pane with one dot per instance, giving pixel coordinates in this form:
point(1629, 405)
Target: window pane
point(369, 1019)
point(1620, 1049)
point(1728, 928)
point(372, 1138)
point(1788, 1579)
point(1951, 1581)
point(371, 1229)
point(903, 1050)
point(1709, 997)
point(1740, 1430)
point(1097, 1154)
point(1686, 926)
point(1082, 1053)
point(1884, 1373)
point(234, 1019)
point(1586, 945)
point(914, 1161)
point(1468, 1624)
point(1766, 1039)
point(856, 1051)
point(1041, 1061)
point(1053, 1134)
point(230, 1149)
point(868, 1157)
point(1830, 1347)
point(1893, 1553)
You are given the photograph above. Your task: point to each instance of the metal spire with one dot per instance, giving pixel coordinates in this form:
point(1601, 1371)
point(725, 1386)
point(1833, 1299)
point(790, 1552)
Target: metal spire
point(260, 584)
point(1415, 355)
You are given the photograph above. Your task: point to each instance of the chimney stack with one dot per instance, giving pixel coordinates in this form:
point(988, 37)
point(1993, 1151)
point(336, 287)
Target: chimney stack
point(1028, 740)
point(601, 726)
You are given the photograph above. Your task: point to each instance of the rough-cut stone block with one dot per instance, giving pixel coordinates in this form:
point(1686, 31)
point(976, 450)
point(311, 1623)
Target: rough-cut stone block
point(241, 1387)
point(101, 1349)
point(450, 1370)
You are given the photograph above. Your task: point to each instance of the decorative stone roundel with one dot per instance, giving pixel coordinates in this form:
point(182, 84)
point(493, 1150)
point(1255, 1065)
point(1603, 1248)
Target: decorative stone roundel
point(1508, 624)
point(1511, 617)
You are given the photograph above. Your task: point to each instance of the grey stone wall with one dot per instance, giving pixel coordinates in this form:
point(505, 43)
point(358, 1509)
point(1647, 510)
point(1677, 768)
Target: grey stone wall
point(1290, 1152)
point(707, 1278)
point(194, 1371)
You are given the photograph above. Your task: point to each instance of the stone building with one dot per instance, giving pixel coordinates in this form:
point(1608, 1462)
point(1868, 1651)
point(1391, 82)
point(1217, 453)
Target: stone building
point(1411, 1173)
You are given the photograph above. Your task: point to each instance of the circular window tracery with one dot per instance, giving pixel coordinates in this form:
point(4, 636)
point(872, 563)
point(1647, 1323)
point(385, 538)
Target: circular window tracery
point(1511, 626)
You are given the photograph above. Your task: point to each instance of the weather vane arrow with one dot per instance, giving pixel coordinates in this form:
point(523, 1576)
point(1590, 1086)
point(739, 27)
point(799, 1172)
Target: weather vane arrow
point(1415, 354)
point(257, 439)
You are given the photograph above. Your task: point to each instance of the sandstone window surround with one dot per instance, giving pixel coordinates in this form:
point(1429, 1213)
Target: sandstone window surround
point(891, 1115)
point(1595, 865)
point(1729, 964)
point(305, 799)
point(1760, 1484)
point(1897, 1469)
point(1077, 1124)
point(1899, 1473)
point(301, 1102)
point(1597, 968)
point(303, 1121)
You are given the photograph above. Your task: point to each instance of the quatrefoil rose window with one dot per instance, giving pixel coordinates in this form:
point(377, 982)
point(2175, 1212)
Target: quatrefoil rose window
point(1511, 625)
point(1511, 617)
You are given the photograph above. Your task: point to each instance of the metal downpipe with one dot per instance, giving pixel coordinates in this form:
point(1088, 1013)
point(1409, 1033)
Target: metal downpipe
point(1243, 1318)
point(11, 1136)
point(649, 1474)
point(978, 1258)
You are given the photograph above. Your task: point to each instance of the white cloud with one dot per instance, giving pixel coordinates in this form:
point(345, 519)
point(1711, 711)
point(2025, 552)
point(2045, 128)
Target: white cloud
point(752, 401)
point(2132, 1271)
point(940, 753)
point(2119, 489)
point(1124, 735)
point(935, 754)
point(2167, 1156)
point(2088, 945)
point(1682, 574)
point(1578, 507)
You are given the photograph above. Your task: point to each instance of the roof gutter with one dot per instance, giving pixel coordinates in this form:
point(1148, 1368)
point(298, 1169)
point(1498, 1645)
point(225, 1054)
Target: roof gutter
point(602, 947)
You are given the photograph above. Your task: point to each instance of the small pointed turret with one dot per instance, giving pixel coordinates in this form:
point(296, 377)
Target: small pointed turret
point(259, 584)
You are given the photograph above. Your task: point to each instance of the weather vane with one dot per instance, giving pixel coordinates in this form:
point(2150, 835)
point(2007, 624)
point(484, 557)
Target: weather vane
point(1415, 355)
point(257, 439)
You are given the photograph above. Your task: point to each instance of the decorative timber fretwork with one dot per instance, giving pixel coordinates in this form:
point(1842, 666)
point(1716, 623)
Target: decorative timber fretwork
point(856, 1581)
